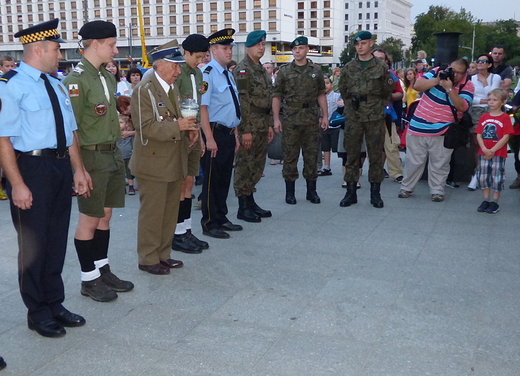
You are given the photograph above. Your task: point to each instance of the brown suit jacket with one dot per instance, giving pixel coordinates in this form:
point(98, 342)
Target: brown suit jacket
point(160, 148)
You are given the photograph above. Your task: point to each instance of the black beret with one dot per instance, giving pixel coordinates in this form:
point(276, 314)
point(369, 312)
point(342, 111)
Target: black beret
point(98, 30)
point(44, 31)
point(196, 43)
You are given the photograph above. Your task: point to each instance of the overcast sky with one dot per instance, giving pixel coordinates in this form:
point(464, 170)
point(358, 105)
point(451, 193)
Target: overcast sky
point(484, 10)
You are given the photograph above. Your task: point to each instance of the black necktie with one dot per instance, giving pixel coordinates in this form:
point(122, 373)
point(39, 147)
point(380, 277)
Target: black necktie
point(58, 116)
point(233, 94)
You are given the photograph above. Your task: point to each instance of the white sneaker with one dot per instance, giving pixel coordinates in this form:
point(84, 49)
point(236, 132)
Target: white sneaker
point(473, 183)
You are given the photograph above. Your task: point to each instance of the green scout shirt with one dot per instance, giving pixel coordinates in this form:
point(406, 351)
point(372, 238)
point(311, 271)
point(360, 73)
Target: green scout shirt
point(374, 85)
point(97, 117)
point(185, 86)
point(255, 94)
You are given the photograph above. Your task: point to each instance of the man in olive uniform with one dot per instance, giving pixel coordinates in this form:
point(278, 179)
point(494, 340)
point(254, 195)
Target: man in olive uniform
point(189, 83)
point(366, 87)
point(255, 129)
point(92, 92)
point(302, 86)
point(159, 161)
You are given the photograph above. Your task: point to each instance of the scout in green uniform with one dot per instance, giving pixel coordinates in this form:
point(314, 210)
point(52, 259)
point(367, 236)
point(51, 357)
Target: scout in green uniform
point(301, 85)
point(255, 129)
point(366, 87)
point(92, 92)
point(189, 83)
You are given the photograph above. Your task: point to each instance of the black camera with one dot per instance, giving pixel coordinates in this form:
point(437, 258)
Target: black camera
point(447, 73)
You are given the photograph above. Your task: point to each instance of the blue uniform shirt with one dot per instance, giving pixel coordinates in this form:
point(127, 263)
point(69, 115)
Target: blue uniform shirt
point(218, 97)
point(26, 114)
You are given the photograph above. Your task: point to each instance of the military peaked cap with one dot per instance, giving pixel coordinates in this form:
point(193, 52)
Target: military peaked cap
point(224, 36)
point(169, 52)
point(37, 33)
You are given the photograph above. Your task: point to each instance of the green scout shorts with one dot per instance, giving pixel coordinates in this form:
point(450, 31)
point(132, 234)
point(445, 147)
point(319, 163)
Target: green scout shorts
point(107, 171)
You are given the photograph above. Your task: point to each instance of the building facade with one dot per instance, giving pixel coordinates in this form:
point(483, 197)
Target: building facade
point(327, 23)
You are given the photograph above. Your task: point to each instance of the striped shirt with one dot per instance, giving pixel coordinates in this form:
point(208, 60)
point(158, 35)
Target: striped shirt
point(433, 114)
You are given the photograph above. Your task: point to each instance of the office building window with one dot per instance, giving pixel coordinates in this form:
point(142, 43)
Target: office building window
point(109, 12)
point(376, 4)
point(213, 17)
point(257, 15)
point(122, 32)
point(300, 6)
point(257, 3)
point(326, 13)
point(346, 5)
point(227, 26)
point(213, 28)
point(241, 4)
point(272, 3)
point(97, 13)
point(173, 19)
point(272, 14)
point(200, 18)
point(186, 19)
point(160, 31)
point(272, 26)
point(242, 16)
point(314, 33)
point(186, 8)
point(326, 23)
point(375, 26)
point(227, 5)
point(375, 16)
point(368, 16)
point(213, 6)
point(108, 3)
point(200, 29)
point(314, 14)
point(346, 17)
point(360, 16)
point(173, 30)
point(314, 24)
point(159, 20)
point(326, 33)
point(301, 15)
point(346, 27)
point(200, 7)
point(360, 4)
point(301, 24)
point(173, 8)
point(367, 27)
point(158, 9)
point(314, 4)
point(257, 26)
point(242, 27)
point(227, 16)
point(185, 30)
point(326, 4)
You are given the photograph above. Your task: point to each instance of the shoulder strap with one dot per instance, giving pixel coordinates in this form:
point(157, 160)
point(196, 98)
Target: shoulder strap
point(6, 77)
point(208, 69)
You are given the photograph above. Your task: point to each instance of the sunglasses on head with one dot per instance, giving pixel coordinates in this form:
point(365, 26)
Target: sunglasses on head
point(482, 61)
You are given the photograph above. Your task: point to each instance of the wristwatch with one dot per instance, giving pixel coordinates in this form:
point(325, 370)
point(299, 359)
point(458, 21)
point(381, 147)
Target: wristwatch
point(449, 91)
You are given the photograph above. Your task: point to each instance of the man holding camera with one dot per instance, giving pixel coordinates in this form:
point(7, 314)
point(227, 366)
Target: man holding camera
point(442, 89)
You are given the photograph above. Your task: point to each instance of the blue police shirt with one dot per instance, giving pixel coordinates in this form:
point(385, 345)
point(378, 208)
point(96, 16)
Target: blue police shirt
point(26, 115)
point(218, 97)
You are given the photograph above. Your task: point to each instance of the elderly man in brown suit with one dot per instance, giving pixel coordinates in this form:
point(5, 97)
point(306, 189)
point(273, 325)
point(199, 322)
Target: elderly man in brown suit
point(159, 160)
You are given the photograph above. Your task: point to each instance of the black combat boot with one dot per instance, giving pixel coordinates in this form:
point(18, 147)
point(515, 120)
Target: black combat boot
point(351, 195)
point(312, 195)
point(375, 195)
point(262, 213)
point(289, 193)
point(245, 213)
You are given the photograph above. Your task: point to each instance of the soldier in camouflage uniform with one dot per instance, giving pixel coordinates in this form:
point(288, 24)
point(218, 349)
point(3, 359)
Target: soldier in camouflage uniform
point(255, 129)
point(301, 85)
point(366, 87)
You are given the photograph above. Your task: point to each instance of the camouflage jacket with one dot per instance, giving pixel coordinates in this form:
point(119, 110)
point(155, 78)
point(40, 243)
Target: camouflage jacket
point(369, 89)
point(255, 95)
point(299, 88)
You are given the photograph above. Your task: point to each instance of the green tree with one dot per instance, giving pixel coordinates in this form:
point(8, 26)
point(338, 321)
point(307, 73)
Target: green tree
point(393, 47)
point(348, 52)
point(504, 33)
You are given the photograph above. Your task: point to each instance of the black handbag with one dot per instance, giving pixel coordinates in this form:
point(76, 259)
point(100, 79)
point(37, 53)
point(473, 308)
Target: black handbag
point(457, 134)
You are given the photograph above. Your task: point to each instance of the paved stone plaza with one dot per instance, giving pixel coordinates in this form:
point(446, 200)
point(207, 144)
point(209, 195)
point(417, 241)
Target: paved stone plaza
point(416, 288)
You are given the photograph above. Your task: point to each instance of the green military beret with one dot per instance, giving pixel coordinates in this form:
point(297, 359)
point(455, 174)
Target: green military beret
point(362, 35)
point(300, 41)
point(255, 37)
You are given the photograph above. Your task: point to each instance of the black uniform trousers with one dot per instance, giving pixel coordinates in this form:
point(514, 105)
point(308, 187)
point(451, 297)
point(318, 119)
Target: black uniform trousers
point(42, 233)
point(217, 178)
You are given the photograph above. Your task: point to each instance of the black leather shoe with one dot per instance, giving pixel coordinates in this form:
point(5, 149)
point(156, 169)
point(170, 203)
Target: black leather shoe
point(183, 243)
point(217, 233)
point(47, 328)
point(113, 282)
point(171, 263)
point(69, 319)
point(228, 226)
point(97, 290)
point(156, 269)
point(3, 364)
point(200, 243)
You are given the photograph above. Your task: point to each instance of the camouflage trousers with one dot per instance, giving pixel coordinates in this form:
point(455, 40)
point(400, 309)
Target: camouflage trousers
point(249, 165)
point(374, 132)
point(304, 137)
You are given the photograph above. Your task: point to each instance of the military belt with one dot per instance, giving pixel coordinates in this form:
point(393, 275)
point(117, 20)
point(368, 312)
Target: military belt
point(100, 147)
point(53, 153)
point(258, 110)
point(300, 105)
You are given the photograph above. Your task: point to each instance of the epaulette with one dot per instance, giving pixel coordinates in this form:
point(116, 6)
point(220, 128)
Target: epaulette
point(208, 69)
point(7, 76)
point(78, 69)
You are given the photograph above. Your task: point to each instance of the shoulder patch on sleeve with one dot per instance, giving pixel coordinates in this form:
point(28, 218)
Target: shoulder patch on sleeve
point(74, 90)
point(208, 69)
point(6, 77)
point(204, 87)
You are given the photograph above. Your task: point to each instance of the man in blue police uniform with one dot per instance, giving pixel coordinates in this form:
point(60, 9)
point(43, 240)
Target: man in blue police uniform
point(38, 145)
point(220, 115)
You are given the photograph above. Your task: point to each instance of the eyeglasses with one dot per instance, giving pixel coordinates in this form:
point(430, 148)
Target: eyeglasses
point(482, 62)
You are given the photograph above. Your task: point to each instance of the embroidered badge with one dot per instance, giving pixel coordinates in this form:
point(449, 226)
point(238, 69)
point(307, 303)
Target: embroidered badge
point(74, 90)
point(243, 71)
point(100, 109)
point(390, 81)
point(204, 87)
